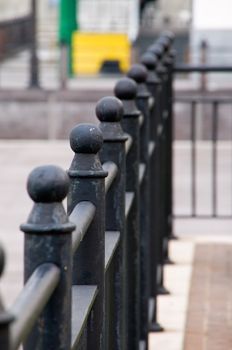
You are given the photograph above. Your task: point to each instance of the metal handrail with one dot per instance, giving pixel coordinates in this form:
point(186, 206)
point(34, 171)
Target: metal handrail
point(32, 300)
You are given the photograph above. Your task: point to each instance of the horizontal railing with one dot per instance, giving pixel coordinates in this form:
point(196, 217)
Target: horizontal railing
point(92, 274)
point(202, 68)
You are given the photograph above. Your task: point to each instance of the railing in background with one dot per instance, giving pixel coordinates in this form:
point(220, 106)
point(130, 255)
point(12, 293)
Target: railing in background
point(15, 35)
point(205, 115)
point(92, 275)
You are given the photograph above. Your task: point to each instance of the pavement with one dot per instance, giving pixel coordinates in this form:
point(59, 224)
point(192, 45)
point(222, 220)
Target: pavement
point(199, 306)
point(197, 315)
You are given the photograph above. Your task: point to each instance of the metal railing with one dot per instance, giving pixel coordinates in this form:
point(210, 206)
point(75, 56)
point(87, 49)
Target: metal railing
point(204, 127)
point(92, 275)
point(15, 35)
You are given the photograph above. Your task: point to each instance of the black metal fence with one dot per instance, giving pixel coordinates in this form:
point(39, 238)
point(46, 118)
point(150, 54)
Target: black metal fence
point(210, 126)
point(92, 275)
point(15, 35)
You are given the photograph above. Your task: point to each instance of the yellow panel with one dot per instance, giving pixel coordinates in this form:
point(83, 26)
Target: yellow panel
point(90, 50)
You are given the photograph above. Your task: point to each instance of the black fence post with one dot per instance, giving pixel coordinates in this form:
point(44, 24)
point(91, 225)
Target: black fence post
point(154, 85)
point(48, 240)
point(87, 179)
point(166, 40)
point(5, 321)
point(5, 317)
point(109, 111)
point(34, 62)
point(161, 71)
point(126, 90)
point(139, 74)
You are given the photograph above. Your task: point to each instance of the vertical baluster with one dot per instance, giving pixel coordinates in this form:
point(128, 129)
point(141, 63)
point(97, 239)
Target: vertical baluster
point(139, 74)
point(87, 184)
point(109, 111)
point(193, 159)
point(153, 84)
point(126, 90)
point(48, 239)
point(214, 157)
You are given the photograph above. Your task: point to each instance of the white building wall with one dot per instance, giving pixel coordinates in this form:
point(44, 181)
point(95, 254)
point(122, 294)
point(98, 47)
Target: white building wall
point(109, 16)
point(211, 22)
point(13, 8)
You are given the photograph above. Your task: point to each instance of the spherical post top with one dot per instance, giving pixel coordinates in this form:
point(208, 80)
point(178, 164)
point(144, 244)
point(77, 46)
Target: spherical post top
point(109, 109)
point(156, 50)
point(86, 138)
point(126, 89)
point(138, 72)
point(149, 60)
point(47, 184)
point(164, 42)
point(169, 35)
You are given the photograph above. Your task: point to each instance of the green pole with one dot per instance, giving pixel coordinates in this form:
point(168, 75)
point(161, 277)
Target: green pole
point(67, 25)
point(67, 20)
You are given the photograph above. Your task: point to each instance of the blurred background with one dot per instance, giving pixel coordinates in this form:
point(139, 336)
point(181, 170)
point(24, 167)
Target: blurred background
point(68, 35)
point(62, 28)
point(80, 47)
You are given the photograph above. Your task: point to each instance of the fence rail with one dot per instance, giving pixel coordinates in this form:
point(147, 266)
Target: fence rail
point(203, 68)
point(92, 275)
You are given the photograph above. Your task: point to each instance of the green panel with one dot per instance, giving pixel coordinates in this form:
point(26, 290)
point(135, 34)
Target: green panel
point(67, 20)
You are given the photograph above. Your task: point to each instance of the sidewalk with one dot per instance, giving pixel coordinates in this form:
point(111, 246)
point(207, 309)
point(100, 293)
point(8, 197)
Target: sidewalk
point(197, 315)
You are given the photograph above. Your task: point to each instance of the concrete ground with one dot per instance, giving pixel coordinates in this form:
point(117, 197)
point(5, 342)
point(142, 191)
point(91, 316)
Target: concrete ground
point(18, 158)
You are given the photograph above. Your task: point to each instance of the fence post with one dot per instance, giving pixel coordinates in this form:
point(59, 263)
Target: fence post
point(163, 71)
point(5, 321)
point(34, 62)
point(157, 51)
point(87, 184)
point(169, 62)
point(48, 239)
point(5, 317)
point(109, 111)
point(126, 90)
point(139, 74)
point(154, 86)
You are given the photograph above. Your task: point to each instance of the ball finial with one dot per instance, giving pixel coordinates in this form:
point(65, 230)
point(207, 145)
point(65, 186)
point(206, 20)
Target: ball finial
point(126, 89)
point(109, 109)
point(149, 61)
point(138, 72)
point(164, 42)
point(86, 138)
point(169, 35)
point(47, 184)
point(156, 50)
